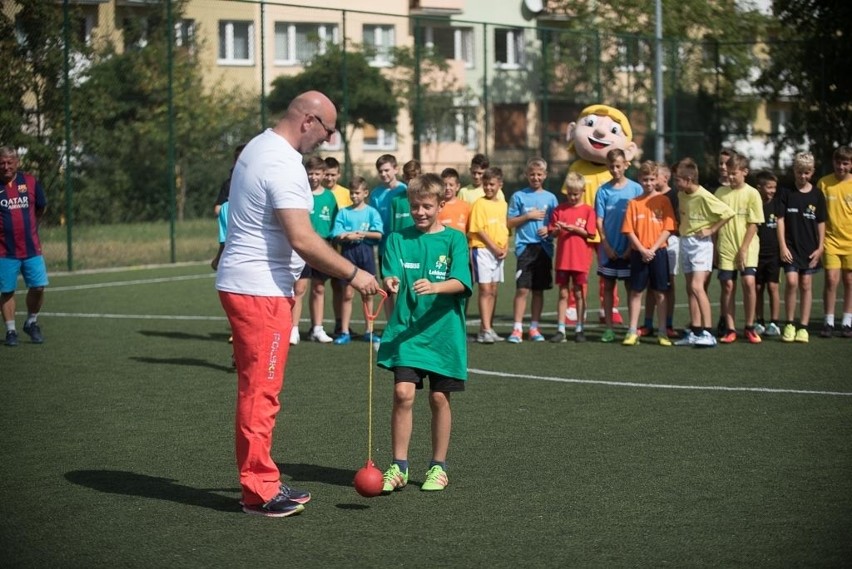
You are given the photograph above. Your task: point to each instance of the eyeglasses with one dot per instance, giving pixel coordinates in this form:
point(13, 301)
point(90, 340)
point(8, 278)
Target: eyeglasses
point(328, 131)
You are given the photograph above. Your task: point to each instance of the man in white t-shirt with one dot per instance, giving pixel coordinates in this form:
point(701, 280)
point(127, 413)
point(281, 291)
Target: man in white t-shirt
point(269, 240)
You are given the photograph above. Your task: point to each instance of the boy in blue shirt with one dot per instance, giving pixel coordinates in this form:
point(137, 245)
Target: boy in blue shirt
point(529, 214)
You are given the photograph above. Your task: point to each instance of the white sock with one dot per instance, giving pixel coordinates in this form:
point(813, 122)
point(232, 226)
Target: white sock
point(317, 329)
point(31, 318)
point(829, 319)
point(10, 325)
point(847, 319)
point(519, 326)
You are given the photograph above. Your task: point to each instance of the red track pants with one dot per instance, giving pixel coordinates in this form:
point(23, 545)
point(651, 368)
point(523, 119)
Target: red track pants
point(261, 327)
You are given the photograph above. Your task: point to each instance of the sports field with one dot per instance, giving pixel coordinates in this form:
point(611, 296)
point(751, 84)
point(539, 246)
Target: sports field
point(117, 447)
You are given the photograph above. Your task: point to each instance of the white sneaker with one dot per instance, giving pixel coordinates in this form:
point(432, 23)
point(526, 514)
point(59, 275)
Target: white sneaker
point(321, 337)
point(773, 329)
point(705, 340)
point(294, 336)
point(494, 336)
point(759, 329)
point(688, 340)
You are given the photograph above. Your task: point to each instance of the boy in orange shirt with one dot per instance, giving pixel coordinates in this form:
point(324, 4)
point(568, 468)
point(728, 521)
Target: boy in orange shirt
point(456, 211)
point(648, 223)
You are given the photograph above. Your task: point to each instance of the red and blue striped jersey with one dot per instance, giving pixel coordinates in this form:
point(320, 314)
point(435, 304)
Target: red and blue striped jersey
point(19, 201)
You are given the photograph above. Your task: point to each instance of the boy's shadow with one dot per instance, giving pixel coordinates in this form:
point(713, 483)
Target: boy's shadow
point(132, 484)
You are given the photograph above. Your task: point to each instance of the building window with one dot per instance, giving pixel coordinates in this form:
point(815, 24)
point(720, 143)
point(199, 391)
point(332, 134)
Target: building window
point(236, 42)
point(378, 41)
point(185, 34)
point(508, 48)
point(457, 125)
point(512, 133)
point(297, 44)
point(378, 139)
point(135, 30)
point(633, 53)
point(451, 43)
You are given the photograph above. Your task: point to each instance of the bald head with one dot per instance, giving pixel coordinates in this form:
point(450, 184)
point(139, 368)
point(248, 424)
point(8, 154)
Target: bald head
point(309, 121)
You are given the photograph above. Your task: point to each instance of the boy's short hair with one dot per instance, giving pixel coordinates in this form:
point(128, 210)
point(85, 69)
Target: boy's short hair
point(688, 169)
point(727, 153)
point(314, 163)
point(737, 161)
point(492, 173)
point(331, 163)
point(358, 183)
point(663, 168)
point(648, 167)
point(536, 162)
point(763, 177)
point(480, 160)
point(411, 169)
point(426, 185)
point(450, 173)
point(842, 153)
point(615, 153)
point(575, 182)
point(803, 161)
point(385, 159)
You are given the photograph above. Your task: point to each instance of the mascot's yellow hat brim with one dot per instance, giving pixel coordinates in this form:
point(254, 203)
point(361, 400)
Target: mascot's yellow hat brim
point(611, 112)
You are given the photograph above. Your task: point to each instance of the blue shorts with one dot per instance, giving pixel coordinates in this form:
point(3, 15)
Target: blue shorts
point(653, 275)
point(33, 269)
point(614, 269)
point(361, 255)
point(726, 275)
point(798, 268)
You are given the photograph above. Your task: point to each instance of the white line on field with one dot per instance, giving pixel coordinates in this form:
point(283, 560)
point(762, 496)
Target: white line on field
point(127, 283)
point(128, 316)
point(657, 385)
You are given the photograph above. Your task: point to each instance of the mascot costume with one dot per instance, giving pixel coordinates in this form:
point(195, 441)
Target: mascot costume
point(598, 129)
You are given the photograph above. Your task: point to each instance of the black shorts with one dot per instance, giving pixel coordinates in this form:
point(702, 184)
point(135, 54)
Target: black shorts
point(437, 382)
point(361, 255)
point(653, 275)
point(310, 273)
point(768, 270)
point(535, 269)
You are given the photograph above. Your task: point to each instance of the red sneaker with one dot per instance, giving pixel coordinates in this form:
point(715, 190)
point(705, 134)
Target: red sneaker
point(752, 337)
point(729, 338)
point(644, 331)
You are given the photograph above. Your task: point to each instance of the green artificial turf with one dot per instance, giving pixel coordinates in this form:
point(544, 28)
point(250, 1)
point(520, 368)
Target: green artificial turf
point(118, 448)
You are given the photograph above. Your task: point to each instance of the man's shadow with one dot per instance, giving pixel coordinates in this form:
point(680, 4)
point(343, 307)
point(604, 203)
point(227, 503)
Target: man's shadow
point(132, 484)
point(300, 472)
point(178, 335)
point(194, 362)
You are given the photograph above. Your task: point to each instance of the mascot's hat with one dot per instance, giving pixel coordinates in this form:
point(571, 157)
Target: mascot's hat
point(611, 112)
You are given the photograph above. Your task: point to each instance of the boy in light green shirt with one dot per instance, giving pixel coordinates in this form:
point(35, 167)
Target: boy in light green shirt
point(426, 267)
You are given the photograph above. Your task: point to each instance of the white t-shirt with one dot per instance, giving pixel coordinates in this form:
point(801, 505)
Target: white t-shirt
point(258, 259)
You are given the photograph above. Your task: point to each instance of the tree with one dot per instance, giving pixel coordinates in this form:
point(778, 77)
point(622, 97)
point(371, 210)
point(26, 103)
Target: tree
point(367, 99)
point(810, 69)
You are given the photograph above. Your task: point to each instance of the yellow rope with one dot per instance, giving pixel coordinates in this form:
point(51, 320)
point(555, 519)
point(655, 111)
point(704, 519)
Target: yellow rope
point(370, 394)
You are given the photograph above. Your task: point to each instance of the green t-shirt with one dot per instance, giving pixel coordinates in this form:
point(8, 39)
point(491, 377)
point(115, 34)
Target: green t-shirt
point(324, 212)
point(427, 331)
point(400, 212)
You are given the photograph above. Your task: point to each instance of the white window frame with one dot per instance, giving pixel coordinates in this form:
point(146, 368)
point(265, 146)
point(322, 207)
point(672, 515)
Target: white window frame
point(463, 43)
point(515, 45)
point(382, 56)
point(228, 29)
point(385, 141)
point(328, 33)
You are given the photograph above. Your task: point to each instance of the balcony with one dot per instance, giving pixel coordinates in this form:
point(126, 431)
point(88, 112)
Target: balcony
point(436, 7)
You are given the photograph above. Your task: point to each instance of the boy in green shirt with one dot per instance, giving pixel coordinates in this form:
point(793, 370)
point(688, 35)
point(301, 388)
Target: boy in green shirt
point(426, 267)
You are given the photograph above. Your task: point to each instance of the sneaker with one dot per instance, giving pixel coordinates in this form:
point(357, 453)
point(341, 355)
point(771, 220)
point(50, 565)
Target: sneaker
point(375, 337)
point(608, 336)
point(34, 332)
point(617, 320)
point(759, 329)
point(278, 507)
point(664, 341)
point(705, 340)
point(752, 336)
point(394, 479)
point(495, 337)
point(729, 337)
point(847, 332)
point(484, 338)
point(671, 332)
point(630, 340)
point(789, 334)
point(644, 331)
point(298, 496)
point(827, 331)
point(802, 335)
point(436, 479)
point(11, 338)
point(294, 336)
point(579, 337)
point(688, 339)
point(535, 335)
point(516, 337)
point(773, 329)
point(558, 338)
point(343, 338)
point(321, 337)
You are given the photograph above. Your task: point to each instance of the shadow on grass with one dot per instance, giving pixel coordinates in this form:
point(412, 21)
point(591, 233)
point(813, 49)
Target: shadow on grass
point(182, 362)
point(172, 335)
point(314, 473)
point(132, 484)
